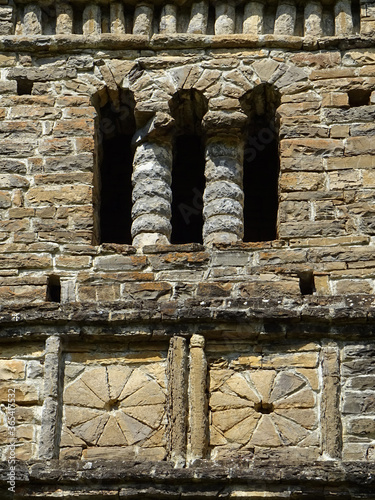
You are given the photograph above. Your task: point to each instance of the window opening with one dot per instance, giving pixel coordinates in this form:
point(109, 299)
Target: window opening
point(188, 180)
point(261, 164)
point(115, 160)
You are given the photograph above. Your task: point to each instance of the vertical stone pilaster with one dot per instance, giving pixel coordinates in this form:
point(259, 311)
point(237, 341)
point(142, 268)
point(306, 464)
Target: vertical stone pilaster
point(32, 20)
point(330, 406)
point(253, 18)
point(143, 16)
point(198, 399)
point(343, 18)
point(285, 18)
point(313, 19)
point(64, 19)
point(177, 399)
point(198, 18)
point(91, 19)
point(225, 18)
point(168, 20)
point(48, 446)
point(117, 18)
point(223, 197)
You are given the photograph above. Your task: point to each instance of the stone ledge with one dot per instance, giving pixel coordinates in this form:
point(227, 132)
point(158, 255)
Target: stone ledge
point(209, 479)
point(336, 316)
point(59, 43)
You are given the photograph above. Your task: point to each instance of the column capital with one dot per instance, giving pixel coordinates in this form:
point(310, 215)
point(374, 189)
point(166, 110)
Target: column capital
point(224, 122)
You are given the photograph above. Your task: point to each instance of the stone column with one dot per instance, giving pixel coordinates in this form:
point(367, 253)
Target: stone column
point(143, 19)
point(198, 399)
point(343, 18)
point(330, 406)
point(92, 20)
point(117, 18)
point(198, 18)
point(152, 194)
point(32, 20)
point(285, 18)
point(177, 400)
point(48, 446)
point(313, 19)
point(225, 13)
point(168, 20)
point(253, 18)
point(223, 197)
point(64, 19)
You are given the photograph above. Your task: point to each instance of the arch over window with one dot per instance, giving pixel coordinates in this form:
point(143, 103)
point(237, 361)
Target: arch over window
point(188, 182)
point(261, 164)
point(116, 127)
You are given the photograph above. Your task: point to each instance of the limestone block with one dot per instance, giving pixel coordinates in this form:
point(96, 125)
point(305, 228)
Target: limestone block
point(199, 18)
point(12, 370)
point(32, 20)
point(225, 18)
point(64, 19)
point(285, 18)
point(168, 19)
point(313, 19)
point(343, 18)
point(253, 18)
point(143, 19)
point(117, 18)
point(91, 20)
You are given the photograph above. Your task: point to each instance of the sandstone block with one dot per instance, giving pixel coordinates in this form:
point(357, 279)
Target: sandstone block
point(12, 370)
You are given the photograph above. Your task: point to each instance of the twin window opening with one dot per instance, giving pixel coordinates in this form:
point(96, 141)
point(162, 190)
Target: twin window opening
point(113, 193)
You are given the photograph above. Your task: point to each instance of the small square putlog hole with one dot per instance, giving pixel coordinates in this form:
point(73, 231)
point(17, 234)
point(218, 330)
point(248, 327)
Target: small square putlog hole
point(306, 282)
point(53, 289)
point(359, 97)
point(24, 87)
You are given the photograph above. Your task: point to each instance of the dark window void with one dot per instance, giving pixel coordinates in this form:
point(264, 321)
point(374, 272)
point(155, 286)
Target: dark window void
point(306, 282)
point(188, 181)
point(116, 129)
point(356, 14)
point(261, 164)
point(359, 97)
point(53, 289)
point(24, 87)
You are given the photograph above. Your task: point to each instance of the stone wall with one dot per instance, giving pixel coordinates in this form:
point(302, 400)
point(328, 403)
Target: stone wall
point(221, 368)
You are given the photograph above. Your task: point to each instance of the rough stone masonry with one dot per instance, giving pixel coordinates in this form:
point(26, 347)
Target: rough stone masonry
point(187, 263)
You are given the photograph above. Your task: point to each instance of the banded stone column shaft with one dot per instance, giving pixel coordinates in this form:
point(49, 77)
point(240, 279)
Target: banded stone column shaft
point(48, 446)
point(64, 19)
point(223, 197)
point(343, 18)
point(152, 194)
point(313, 19)
point(168, 20)
point(117, 18)
point(198, 399)
point(32, 20)
point(225, 18)
point(199, 18)
point(285, 18)
point(143, 16)
point(253, 18)
point(92, 20)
